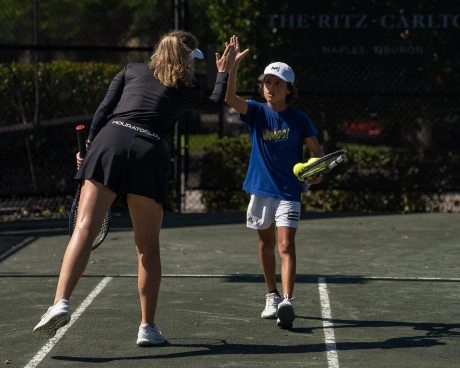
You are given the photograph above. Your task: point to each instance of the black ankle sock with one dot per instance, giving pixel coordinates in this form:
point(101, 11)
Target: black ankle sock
point(275, 291)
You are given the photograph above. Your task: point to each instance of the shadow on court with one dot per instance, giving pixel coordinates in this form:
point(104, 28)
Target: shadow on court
point(389, 283)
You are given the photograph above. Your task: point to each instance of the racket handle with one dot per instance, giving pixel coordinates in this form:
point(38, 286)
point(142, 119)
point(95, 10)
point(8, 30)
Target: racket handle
point(80, 129)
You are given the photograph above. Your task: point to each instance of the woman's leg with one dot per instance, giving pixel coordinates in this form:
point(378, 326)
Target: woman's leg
point(147, 217)
point(95, 200)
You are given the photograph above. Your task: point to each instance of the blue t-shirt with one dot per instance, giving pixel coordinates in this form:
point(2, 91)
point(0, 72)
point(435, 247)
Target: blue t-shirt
point(277, 140)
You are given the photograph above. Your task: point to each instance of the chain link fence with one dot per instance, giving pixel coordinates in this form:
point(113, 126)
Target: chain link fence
point(400, 95)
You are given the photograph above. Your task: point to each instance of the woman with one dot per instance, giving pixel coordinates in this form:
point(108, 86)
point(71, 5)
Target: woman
point(279, 134)
point(126, 156)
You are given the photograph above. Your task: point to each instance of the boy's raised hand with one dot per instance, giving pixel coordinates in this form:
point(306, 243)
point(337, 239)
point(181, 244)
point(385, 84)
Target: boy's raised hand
point(239, 54)
point(226, 61)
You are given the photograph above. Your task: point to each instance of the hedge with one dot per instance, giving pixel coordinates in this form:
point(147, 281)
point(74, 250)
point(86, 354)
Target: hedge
point(373, 179)
point(65, 88)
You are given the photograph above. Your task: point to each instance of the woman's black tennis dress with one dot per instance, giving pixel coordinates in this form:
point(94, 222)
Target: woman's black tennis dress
point(130, 127)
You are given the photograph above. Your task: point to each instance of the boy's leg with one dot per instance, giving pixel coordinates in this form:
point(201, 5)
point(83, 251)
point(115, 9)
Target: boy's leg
point(267, 258)
point(286, 249)
point(287, 252)
point(287, 219)
point(267, 241)
point(260, 216)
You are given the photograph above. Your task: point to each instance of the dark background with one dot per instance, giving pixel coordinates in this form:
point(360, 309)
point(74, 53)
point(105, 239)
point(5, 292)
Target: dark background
point(378, 74)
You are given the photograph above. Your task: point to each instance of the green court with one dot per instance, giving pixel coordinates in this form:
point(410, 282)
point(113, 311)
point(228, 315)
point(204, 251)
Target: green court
point(372, 291)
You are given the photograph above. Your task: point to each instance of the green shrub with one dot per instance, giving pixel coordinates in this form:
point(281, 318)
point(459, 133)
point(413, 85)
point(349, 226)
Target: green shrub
point(65, 88)
point(223, 169)
point(373, 179)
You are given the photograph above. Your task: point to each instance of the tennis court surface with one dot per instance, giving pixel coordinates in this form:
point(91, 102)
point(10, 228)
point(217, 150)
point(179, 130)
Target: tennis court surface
point(372, 291)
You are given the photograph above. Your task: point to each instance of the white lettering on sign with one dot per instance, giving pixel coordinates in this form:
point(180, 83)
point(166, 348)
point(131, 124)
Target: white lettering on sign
point(364, 21)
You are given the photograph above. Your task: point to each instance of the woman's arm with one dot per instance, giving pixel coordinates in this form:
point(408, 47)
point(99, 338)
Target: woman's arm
point(107, 105)
point(195, 97)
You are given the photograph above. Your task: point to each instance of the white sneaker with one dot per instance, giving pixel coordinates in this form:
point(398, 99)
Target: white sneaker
point(57, 316)
point(271, 306)
point(286, 313)
point(149, 336)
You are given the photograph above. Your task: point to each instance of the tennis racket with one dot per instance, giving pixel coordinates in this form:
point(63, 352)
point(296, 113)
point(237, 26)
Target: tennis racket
point(80, 129)
point(315, 166)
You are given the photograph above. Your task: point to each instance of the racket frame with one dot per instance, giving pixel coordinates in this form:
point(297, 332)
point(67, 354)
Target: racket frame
point(322, 165)
point(80, 129)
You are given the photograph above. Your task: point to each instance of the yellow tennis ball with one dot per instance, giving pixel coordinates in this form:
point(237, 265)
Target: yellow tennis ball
point(298, 167)
point(301, 165)
point(312, 160)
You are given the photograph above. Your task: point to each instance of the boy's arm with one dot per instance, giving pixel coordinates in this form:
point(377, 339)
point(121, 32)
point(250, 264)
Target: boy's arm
point(314, 146)
point(231, 98)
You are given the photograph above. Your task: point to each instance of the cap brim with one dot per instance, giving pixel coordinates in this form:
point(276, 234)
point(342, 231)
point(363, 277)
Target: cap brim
point(262, 76)
point(196, 54)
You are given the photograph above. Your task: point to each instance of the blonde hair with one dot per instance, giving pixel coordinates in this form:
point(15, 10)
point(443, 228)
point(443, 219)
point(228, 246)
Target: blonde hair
point(171, 62)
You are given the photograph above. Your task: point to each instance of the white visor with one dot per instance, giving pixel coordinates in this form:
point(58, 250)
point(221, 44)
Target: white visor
point(196, 54)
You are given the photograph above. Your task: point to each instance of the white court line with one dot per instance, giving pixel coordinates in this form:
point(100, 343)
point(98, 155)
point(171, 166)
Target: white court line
point(16, 247)
point(78, 312)
point(328, 327)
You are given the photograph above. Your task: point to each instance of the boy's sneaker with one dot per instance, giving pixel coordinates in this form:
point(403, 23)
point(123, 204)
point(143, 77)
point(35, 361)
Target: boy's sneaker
point(271, 306)
point(149, 336)
point(286, 314)
point(57, 316)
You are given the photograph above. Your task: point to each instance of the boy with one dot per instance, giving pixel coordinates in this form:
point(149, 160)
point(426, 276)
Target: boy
point(278, 133)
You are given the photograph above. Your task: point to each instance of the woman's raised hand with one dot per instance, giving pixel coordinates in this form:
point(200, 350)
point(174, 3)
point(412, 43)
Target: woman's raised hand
point(226, 62)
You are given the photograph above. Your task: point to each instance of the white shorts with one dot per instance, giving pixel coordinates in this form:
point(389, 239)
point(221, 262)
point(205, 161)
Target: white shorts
point(264, 211)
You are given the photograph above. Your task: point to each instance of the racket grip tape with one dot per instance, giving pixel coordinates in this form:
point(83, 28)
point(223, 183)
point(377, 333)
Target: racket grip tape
point(80, 129)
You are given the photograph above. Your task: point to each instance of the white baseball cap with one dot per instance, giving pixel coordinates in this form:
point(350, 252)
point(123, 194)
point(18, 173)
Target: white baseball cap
point(196, 54)
point(280, 70)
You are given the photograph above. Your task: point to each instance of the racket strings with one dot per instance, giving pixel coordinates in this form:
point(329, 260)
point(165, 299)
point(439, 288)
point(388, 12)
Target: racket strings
point(321, 166)
point(102, 232)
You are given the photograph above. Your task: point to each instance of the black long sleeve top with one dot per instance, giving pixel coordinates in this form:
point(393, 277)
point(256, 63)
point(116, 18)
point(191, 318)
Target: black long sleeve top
point(135, 95)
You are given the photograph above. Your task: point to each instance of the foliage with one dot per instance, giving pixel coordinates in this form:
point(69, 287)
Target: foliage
point(381, 178)
point(227, 17)
point(417, 94)
point(201, 142)
point(223, 170)
point(65, 88)
point(87, 22)
point(373, 179)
